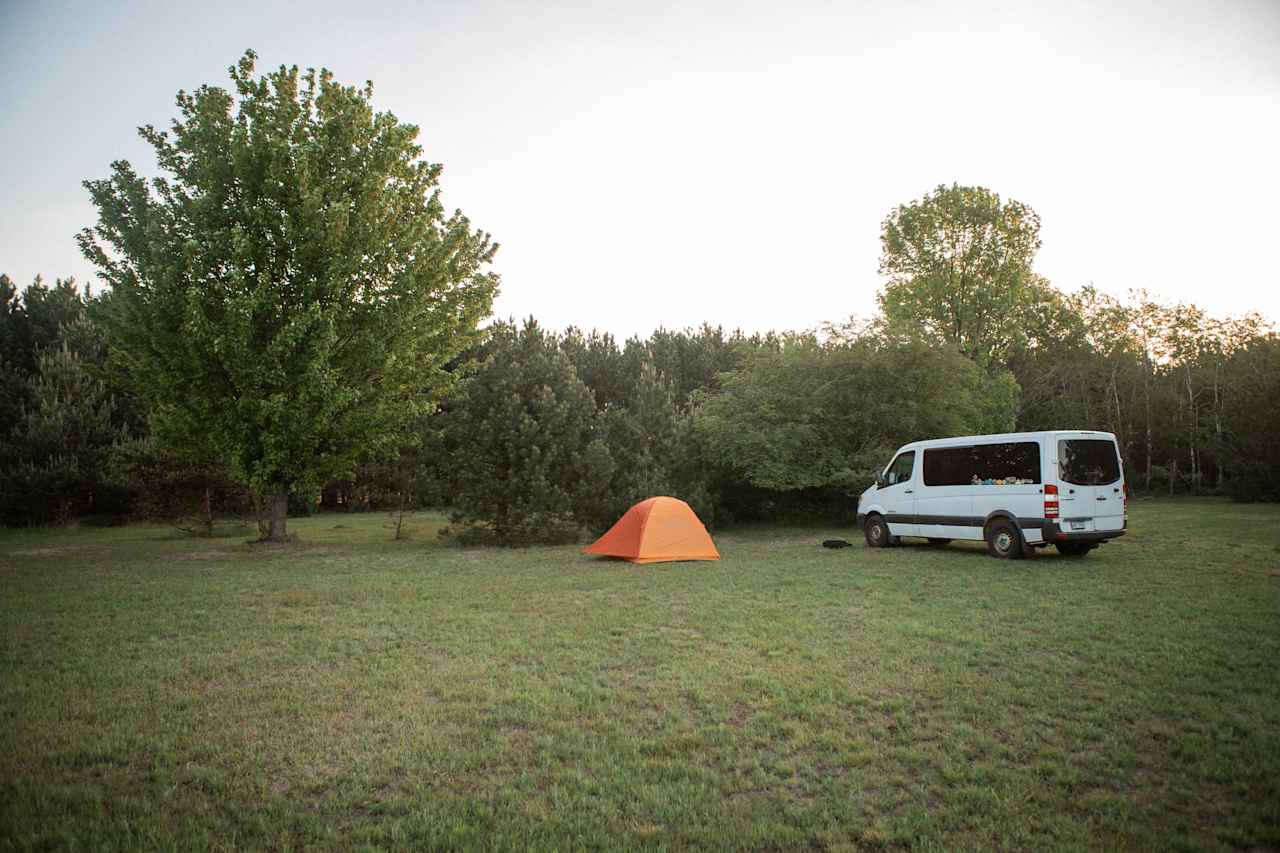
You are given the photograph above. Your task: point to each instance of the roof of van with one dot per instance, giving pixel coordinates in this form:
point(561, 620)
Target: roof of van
point(961, 440)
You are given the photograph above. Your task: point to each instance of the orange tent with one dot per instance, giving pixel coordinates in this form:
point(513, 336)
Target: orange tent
point(657, 530)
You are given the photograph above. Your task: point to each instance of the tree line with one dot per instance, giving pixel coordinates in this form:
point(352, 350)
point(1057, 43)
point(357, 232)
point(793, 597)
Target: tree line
point(293, 320)
point(548, 434)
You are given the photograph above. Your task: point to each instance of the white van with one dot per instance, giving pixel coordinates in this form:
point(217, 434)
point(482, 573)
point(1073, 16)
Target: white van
point(1015, 492)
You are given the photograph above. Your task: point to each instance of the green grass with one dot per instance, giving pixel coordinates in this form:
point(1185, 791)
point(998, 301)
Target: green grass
point(351, 691)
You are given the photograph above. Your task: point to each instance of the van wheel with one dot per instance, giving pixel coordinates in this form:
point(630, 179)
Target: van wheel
point(933, 540)
point(876, 529)
point(1074, 549)
point(1004, 540)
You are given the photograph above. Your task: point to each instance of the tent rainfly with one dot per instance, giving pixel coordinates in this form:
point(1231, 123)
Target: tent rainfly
point(657, 530)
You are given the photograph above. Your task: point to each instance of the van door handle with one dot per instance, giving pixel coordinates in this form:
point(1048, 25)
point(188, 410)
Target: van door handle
point(906, 491)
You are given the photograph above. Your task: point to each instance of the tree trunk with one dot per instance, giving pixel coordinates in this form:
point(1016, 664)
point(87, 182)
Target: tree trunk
point(1146, 387)
point(279, 516)
point(1220, 455)
point(1193, 424)
point(206, 514)
point(403, 508)
point(1119, 422)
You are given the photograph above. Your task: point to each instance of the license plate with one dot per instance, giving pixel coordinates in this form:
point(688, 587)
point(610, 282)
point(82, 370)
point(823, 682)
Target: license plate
point(1077, 525)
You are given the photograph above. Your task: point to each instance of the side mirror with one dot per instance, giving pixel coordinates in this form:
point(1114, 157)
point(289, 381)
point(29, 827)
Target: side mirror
point(881, 481)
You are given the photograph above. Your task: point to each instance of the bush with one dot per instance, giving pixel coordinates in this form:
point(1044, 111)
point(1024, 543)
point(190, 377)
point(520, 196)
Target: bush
point(827, 416)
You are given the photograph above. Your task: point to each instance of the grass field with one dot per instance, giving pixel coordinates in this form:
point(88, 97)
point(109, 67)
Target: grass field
point(352, 691)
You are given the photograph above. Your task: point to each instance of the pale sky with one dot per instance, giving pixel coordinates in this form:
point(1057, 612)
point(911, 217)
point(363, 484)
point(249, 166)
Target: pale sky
point(660, 164)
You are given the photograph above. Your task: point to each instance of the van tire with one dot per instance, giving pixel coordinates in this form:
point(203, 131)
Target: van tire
point(1004, 541)
point(876, 529)
point(935, 540)
point(1074, 549)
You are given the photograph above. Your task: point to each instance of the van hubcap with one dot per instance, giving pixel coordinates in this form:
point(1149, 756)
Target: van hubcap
point(1003, 541)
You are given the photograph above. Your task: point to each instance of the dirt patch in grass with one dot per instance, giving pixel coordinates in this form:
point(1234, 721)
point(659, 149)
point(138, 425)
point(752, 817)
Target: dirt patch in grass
point(57, 551)
point(777, 543)
point(212, 554)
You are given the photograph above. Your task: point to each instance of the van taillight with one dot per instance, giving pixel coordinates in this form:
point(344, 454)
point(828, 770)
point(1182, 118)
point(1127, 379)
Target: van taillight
point(1126, 499)
point(1050, 501)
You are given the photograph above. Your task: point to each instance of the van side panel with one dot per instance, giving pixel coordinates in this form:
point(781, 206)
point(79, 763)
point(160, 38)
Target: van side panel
point(1024, 503)
point(943, 512)
point(951, 510)
point(944, 500)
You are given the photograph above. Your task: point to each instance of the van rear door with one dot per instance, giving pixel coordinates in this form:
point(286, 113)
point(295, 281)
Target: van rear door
point(1091, 490)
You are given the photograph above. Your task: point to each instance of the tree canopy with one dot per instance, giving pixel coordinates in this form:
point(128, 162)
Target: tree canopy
point(959, 267)
point(811, 415)
point(287, 293)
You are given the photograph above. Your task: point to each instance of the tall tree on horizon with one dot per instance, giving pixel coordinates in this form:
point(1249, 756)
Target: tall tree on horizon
point(959, 268)
point(287, 294)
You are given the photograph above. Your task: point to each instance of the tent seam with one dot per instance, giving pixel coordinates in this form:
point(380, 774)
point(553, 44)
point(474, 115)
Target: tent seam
point(645, 524)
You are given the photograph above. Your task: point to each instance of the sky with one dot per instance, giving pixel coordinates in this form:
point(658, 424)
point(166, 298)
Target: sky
point(665, 164)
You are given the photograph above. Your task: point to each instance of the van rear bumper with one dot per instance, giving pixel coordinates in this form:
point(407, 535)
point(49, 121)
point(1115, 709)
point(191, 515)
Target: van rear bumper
point(1054, 533)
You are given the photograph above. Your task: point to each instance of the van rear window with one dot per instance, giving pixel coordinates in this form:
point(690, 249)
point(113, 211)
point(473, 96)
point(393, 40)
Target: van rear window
point(1088, 461)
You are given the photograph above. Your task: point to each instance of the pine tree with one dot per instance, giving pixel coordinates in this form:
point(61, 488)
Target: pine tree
point(649, 439)
point(61, 452)
point(525, 450)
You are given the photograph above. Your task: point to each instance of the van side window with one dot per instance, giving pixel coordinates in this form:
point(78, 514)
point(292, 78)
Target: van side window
point(1019, 460)
point(958, 466)
point(948, 466)
point(900, 470)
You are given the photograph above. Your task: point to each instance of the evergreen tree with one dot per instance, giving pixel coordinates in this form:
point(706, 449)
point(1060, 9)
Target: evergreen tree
point(48, 311)
point(62, 448)
point(15, 327)
point(526, 460)
point(642, 436)
point(651, 442)
point(30, 322)
point(599, 363)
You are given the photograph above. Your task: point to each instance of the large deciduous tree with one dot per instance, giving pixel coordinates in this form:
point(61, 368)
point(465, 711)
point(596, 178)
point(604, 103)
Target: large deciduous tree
point(959, 268)
point(288, 292)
